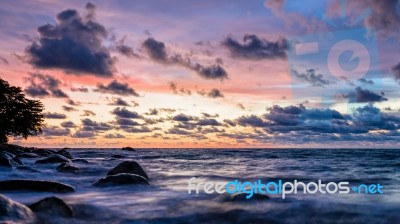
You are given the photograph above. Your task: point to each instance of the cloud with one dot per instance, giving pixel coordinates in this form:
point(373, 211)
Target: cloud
point(84, 134)
point(90, 125)
point(142, 129)
point(366, 81)
point(124, 113)
point(215, 93)
point(116, 135)
point(364, 96)
point(384, 16)
point(311, 77)
point(157, 51)
point(126, 122)
point(56, 131)
point(117, 88)
point(80, 89)
point(183, 118)
point(208, 122)
point(51, 115)
point(73, 103)
point(41, 85)
point(69, 109)
point(125, 50)
point(119, 102)
point(396, 71)
point(68, 124)
point(74, 44)
point(3, 60)
point(255, 48)
point(87, 113)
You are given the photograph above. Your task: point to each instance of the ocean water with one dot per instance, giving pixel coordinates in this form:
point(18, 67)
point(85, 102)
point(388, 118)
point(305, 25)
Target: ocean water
point(167, 200)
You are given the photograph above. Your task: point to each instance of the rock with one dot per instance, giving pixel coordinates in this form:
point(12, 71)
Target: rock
point(52, 206)
point(80, 161)
point(67, 168)
point(121, 179)
point(35, 185)
point(14, 212)
point(18, 161)
point(128, 167)
point(118, 156)
point(7, 160)
point(28, 169)
point(28, 155)
point(64, 153)
point(128, 149)
point(43, 152)
point(53, 159)
point(241, 197)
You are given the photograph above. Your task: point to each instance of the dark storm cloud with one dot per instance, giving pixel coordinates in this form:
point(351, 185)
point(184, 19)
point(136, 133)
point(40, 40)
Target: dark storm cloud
point(40, 85)
point(74, 44)
point(68, 124)
point(124, 113)
point(255, 48)
point(117, 88)
point(157, 51)
point(215, 93)
point(116, 135)
point(252, 121)
point(90, 125)
point(69, 109)
point(311, 77)
point(364, 96)
point(56, 131)
point(50, 115)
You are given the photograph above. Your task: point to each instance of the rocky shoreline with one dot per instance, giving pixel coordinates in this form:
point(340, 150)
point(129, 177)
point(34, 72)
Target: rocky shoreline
point(12, 156)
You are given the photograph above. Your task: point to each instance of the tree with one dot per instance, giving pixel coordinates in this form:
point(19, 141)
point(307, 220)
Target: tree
point(19, 116)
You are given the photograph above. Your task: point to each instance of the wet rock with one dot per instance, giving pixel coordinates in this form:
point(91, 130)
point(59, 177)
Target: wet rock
point(35, 185)
point(28, 169)
point(121, 179)
point(28, 155)
point(80, 161)
point(43, 152)
point(53, 159)
point(67, 168)
point(18, 161)
point(118, 156)
point(7, 160)
point(128, 167)
point(128, 149)
point(14, 149)
point(14, 212)
point(241, 197)
point(64, 153)
point(53, 206)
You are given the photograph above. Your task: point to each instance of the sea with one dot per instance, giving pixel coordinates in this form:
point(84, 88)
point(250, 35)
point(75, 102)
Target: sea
point(166, 199)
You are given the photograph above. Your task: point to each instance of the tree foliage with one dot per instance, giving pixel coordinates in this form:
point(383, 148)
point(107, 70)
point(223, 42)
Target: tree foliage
point(19, 116)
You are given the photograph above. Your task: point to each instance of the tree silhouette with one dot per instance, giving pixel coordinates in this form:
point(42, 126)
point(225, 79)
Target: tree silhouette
point(19, 116)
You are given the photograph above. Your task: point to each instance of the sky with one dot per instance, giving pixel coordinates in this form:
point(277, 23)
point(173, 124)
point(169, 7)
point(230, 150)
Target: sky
point(217, 74)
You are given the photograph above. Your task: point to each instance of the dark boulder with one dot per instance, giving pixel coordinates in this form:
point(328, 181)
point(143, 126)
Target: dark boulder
point(42, 152)
point(53, 206)
point(80, 161)
point(67, 168)
point(128, 167)
point(64, 153)
point(8, 160)
point(14, 212)
point(121, 179)
point(53, 159)
point(35, 185)
point(128, 149)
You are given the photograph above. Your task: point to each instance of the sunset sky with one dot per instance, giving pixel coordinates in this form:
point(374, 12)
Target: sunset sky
point(205, 73)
